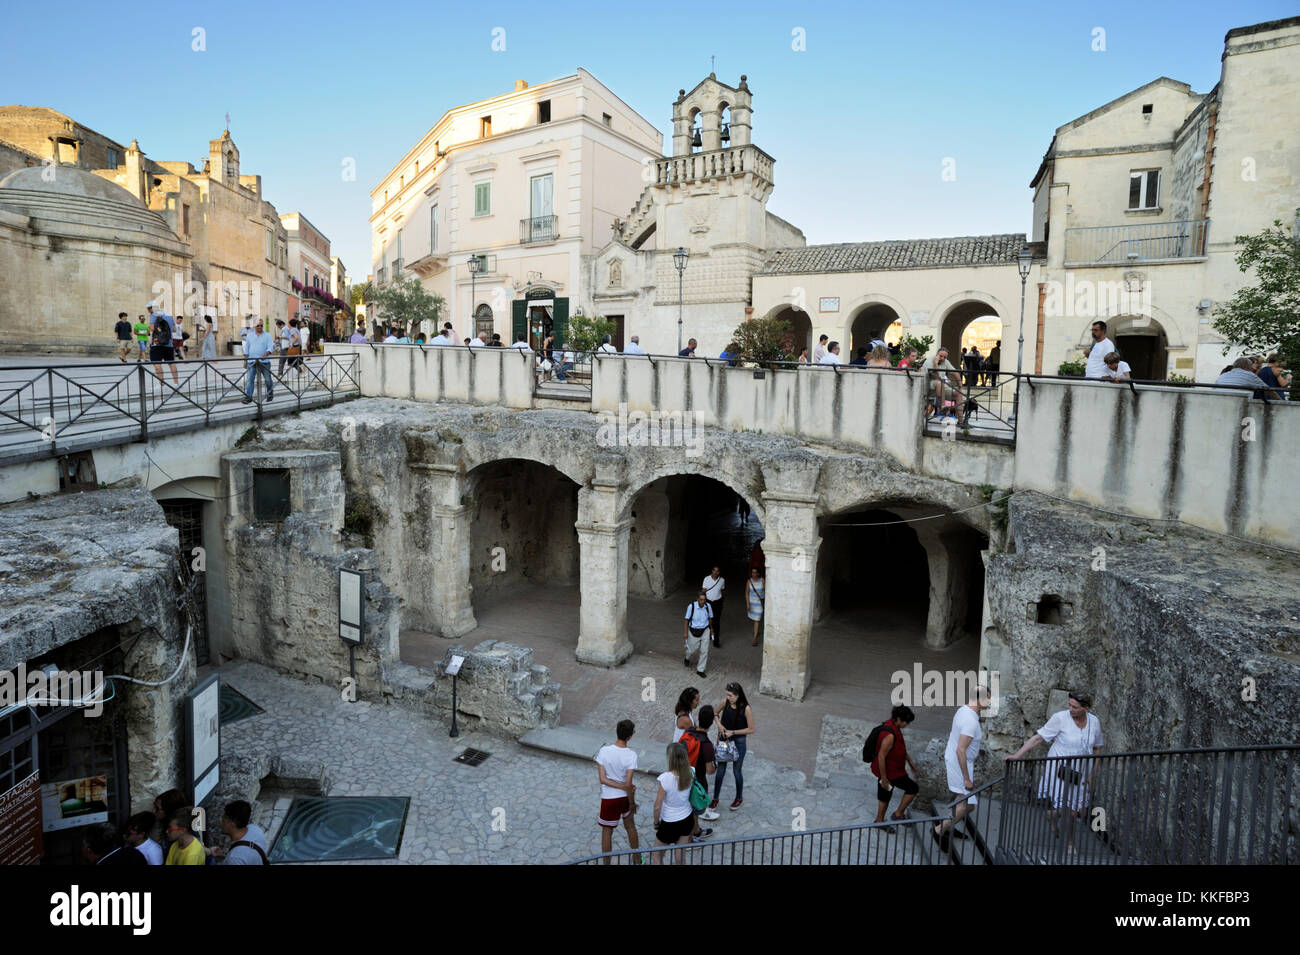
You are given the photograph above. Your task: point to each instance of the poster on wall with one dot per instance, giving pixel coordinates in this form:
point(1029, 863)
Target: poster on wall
point(20, 823)
point(352, 588)
point(70, 803)
point(203, 736)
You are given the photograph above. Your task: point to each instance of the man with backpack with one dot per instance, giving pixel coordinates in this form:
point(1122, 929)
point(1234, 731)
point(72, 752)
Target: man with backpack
point(703, 757)
point(247, 840)
point(161, 349)
point(886, 751)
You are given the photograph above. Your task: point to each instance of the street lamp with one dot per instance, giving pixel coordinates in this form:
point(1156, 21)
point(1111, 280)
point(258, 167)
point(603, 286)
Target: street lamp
point(1023, 261)
point(475, 266)
point(679, 260)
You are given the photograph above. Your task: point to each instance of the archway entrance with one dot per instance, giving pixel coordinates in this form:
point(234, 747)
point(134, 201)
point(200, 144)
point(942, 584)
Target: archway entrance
point(875, 321)
point(1142, 342)
point(981, 321)
point(523, 547)
point(801, 335)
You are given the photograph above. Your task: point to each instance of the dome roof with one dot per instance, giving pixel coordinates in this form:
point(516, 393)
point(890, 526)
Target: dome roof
point(78, 198)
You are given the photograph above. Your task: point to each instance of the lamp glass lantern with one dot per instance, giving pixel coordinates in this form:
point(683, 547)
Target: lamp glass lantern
point(679, 259)
point(1024, 260)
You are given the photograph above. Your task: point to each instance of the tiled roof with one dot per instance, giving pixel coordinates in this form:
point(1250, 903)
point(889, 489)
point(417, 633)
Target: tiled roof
point(897, 254)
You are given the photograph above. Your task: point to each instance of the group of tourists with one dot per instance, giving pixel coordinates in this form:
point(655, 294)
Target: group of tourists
point(702, 622)
point(706, 739)
point(134, 843)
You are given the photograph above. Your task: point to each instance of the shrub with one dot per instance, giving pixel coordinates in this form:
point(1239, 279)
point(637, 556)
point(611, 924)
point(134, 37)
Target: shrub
point(765, 340)
point(1072, 369)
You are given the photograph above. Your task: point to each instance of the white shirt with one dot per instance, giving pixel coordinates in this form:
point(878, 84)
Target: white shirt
point(607, 349)
point(713, 587)
point(476, 343)
point(1123, 369)
point(632, 348)
point(568, 357)
point(698, 617)
point(440, 340)
point(1067, 738)
point(522, 346)
point(830, 358)
point(1097, 358)
point(965, 722)
point(151, 851)
point(616, 761)
point(390, 340)
point(818, 354)
point(244, 855)
point(677, 802)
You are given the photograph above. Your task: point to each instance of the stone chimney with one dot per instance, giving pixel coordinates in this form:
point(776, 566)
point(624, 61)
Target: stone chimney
point(135, 177)
point(521, 85)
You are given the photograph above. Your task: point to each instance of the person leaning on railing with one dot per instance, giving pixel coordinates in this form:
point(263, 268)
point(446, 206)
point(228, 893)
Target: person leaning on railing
point(1073, 731)
point(1276, 377)
point(1116, 368)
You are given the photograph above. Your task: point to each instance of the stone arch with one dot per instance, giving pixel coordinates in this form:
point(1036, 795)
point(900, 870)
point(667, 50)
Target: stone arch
point(1141, 340)
point(958, 311)
point(863, 302)
point(800, 325)
point(531, 449)
point(750, 489)
point(872, 316)
point(692, 129)
point(724, 122)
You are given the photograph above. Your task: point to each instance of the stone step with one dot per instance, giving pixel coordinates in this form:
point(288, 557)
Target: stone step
point(584, 743)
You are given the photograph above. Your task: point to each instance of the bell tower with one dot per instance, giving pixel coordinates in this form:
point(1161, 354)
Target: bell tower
point(712, 116)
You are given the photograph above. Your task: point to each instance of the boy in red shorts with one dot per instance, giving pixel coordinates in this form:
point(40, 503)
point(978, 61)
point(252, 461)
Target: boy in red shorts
point(615, 764)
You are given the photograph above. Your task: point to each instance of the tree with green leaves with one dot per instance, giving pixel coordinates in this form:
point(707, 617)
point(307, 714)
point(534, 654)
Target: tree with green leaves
point(586, 332)
point(360, 295)
point(765, 340)
point(1265, 317)
point(407, 303)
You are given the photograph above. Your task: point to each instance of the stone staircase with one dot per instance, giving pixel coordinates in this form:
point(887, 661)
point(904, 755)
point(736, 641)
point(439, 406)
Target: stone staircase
point(639, 219)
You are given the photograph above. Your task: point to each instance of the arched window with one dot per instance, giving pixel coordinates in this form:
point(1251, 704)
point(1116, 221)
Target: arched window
point(483, 320)
point(697, 130)
point(724, 124)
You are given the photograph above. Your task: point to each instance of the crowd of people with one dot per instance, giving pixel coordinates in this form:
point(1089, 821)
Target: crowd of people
point(141, 839)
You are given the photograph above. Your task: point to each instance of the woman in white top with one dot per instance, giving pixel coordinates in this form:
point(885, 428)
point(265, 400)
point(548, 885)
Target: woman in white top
point(674, 819)
point(687, 703)
point(1072, 732)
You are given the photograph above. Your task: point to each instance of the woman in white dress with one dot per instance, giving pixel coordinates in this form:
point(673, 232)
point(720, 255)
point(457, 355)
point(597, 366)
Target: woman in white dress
point(1073, 731)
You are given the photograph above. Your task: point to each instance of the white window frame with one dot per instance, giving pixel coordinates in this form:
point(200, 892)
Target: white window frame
point(1145, 203)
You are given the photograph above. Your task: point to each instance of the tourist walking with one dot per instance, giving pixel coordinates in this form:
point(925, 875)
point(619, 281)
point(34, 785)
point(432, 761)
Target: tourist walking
point(890, 764)
point(297, 348)
point(615, 766)
point(993, 362)
point(162, 343)
point(736, 724)
point(141, 330)
point(178, 337)
point(674, 819)
point(247, 839)
point(697, 623)
point(257, 352)
point(283, 337)
point(757, 558)
point(742, 508)
point(1096, 352)
point(959, 761)
point(1067, 784)
point(687, 701)
point(125, 335)
point(208, 347)
point(754, 592)
point(714, 584)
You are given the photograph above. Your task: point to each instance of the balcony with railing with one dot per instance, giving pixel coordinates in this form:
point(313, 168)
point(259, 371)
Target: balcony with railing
point(539, 229)
point(1146, 242)
point(715, 164)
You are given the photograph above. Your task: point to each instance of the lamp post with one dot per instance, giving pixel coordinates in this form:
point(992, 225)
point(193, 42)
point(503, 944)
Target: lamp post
point(679, 260)
point(1023, 261)
point(475, 265)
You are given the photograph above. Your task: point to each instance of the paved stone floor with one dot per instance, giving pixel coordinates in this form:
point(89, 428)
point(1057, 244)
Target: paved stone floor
point(543, 806)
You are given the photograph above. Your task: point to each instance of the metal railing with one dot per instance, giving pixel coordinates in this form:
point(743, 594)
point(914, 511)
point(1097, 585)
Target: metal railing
point(1218, 806)
point(1150, 241)
point(539, 229)
point(559, 378)
point(46, 411)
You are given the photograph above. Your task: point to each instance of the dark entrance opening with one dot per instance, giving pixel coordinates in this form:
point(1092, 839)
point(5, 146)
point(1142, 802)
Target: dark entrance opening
point(186, 516)
point(870, 561)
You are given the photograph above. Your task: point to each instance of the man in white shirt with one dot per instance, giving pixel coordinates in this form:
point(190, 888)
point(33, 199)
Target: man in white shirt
point(820, 351)
point(391, 337)
point(698, 619)
point(440, 339)
point(615, 764)
point(713, 586)
point(831, 356)
point(521, 343)
point(959, 760)
point(246, 838)
point(607, 347)
point(1101, 347)
point(257, 351)
point(478, 342)
point(633, 347)
point(136, 834)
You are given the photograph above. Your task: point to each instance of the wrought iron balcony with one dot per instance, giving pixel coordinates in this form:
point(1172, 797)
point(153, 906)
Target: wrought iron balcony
point(1146, 242)
point(539, 229)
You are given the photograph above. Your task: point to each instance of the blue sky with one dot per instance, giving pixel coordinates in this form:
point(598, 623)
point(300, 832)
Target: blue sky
point(860, 121)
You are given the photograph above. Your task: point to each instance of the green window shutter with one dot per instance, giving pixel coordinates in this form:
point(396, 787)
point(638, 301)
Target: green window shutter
point(519, 319)
point(560, 320)
point(482, 198)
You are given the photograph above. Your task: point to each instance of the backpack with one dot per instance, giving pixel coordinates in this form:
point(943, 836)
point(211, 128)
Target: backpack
point(252, 845)
point(699, 795)
point(692, 744)
point(872, 744)
point(162, 333)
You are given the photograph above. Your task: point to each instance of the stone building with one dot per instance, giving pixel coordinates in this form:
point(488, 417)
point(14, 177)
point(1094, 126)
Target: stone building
point(234, 247)
point(527, 182)
point(709, 198)
point(311, 267)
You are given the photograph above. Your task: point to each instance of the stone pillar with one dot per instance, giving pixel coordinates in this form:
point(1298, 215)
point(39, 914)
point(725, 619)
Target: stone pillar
point(948, 585)
point(791, 548)
point(448, 602)
point(602, 546)
point(602, 616)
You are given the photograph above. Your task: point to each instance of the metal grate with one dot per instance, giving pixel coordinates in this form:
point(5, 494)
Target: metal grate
point(235, 706)
point(472, 757)
point(334, 828)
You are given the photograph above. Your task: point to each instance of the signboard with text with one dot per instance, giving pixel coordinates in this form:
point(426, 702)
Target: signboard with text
point(20, 823)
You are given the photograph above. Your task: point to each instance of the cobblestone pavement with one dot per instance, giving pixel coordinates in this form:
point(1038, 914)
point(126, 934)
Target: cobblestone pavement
point(520, 806)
